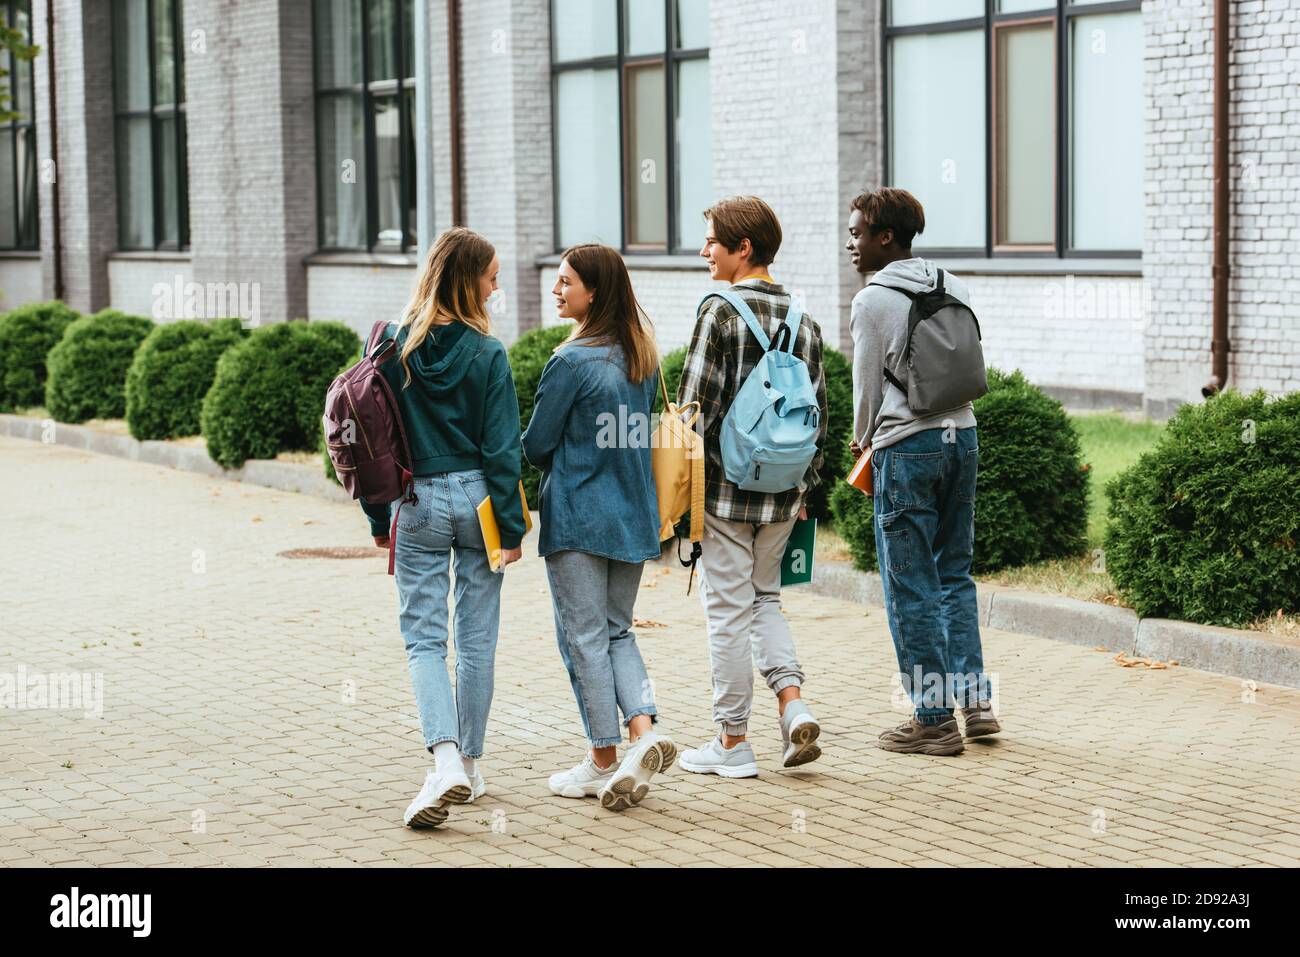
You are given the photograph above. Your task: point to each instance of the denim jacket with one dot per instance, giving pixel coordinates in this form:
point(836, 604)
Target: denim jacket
point(590, 435)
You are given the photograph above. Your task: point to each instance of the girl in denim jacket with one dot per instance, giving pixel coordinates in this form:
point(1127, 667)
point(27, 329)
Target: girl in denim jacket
point(590, 435)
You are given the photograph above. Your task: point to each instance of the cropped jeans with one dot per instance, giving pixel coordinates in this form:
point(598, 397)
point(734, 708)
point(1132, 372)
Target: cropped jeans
point(442, 527)
point(593, 598)
point(925, 533)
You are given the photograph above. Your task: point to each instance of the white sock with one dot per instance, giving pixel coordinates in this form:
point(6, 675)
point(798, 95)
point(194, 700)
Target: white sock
point(446, 757)
point(470, 766)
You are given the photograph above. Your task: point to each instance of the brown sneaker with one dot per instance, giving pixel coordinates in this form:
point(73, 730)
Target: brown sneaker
point(980, 721)
point(915, 738)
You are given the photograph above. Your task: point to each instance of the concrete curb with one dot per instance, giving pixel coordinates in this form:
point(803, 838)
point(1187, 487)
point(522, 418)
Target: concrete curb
point(1227, 651)
point(284, 476)
point(1244, 654)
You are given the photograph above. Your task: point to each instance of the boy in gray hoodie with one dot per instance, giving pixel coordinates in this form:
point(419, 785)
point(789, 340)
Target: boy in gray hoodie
point(923, 470)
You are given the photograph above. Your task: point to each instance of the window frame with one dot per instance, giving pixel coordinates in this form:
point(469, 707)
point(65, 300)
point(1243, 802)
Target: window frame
point(400, 89)
point(1061, 13)
point(620, 62)
point(156, 115)
point(26, 121)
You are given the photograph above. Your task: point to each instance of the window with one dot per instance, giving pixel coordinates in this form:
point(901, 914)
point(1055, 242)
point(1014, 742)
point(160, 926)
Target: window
point(632, 123)
point(365, 124)
point(18, 221)
point(149, 98)
point(1018, 123)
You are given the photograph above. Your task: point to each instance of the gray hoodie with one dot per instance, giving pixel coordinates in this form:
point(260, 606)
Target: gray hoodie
point(878, 323)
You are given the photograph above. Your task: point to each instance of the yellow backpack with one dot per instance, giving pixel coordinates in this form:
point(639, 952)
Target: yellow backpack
point(677, 458)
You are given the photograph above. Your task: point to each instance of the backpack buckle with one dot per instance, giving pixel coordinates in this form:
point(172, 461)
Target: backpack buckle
point(696, 552)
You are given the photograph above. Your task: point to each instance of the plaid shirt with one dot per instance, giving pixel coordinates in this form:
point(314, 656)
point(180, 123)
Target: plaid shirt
point(722, 353)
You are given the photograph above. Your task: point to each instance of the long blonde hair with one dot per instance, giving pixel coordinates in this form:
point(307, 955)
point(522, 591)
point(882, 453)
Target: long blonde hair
point(615, 315)
point(448, 288)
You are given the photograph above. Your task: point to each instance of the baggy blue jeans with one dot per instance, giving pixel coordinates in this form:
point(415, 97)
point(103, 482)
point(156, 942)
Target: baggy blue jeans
point(443, 523)
point(925, 533)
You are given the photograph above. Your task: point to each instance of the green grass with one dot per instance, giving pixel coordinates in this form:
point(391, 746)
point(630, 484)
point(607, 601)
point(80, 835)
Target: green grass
point(1111, 442)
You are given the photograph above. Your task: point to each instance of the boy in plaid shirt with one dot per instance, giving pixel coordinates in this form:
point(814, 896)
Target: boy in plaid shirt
point(745, 533)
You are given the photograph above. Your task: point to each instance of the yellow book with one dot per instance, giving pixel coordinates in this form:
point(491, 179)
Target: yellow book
point(487, 521)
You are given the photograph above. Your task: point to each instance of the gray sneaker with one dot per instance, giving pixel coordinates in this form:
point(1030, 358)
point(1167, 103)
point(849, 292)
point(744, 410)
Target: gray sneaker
point(799, 729)
point(713, 758)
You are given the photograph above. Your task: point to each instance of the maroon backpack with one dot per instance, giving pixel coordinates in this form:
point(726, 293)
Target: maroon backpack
point(364, 435)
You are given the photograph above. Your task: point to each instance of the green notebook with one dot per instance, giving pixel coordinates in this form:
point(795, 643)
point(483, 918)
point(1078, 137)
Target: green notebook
point(797, 562)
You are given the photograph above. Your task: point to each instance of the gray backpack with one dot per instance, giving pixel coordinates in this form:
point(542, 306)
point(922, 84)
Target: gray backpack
point(943, 360)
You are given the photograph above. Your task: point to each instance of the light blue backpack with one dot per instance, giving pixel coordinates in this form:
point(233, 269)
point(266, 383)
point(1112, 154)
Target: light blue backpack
point(769, 435)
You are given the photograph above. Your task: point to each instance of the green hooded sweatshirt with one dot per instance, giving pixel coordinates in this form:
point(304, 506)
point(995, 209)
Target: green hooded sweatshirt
point(460, 413)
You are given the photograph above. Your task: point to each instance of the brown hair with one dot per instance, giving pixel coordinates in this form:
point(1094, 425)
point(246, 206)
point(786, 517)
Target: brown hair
point(893, 209)
point(747, 217)
point(615, 316)
point(448, 288)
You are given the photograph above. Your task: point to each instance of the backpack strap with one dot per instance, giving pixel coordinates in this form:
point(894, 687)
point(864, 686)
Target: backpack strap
point(901, 386)
point(697, 516)
point(790, 326)
point(377, 332)
point(746, 313)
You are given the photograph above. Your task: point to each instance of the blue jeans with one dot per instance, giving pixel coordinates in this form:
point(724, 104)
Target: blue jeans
point(925, 532)
point(593, 598)
point(443, 523)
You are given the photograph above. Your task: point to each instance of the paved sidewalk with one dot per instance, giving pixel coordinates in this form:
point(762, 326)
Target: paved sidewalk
point(256, 710)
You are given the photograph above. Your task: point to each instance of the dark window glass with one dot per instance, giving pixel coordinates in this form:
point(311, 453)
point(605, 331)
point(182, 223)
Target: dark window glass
point(365, 119)
point(18, 203)
point(1040, 152)
point(631, 122)
point(148, 90)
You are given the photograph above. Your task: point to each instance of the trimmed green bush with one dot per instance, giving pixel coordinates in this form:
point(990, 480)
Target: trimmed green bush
point(27, 334)
point(172, 372)
point(1205, 527)
point(839, 430)
point(528, 357)
point(336, 333)
point(87, 369)
point(269, 392)
point(1033, 489)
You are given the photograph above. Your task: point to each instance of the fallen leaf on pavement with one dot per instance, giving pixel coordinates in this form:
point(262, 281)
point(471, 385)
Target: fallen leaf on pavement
point(647, 623)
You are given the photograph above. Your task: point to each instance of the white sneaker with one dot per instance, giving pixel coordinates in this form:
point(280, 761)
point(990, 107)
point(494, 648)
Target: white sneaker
point(583, 780)
point(477, 786)
point(429, 809)
point(631, 782)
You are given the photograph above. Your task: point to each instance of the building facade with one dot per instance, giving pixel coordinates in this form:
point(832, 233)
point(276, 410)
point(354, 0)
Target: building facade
point(284, 159)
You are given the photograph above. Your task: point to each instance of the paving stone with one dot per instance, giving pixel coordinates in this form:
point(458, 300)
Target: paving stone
point(224, 670)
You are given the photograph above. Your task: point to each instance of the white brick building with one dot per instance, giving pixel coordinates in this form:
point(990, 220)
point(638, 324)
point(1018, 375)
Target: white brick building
point(1062, 151)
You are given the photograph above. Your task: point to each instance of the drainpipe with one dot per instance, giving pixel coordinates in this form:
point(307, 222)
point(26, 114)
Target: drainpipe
point(423, 135)
point(54, 148)
point(453, 83)
point(1220, 344)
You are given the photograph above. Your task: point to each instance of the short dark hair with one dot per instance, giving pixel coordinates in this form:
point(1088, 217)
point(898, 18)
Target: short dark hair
point(747, 217)
point(894, 209)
